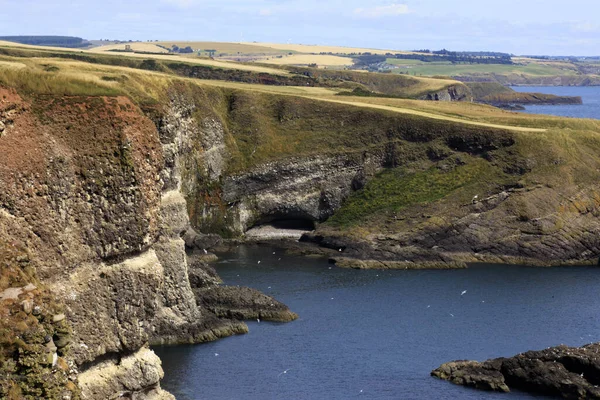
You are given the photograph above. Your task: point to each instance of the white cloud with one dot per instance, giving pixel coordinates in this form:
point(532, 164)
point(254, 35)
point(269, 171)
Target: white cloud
point(265, 12)
point(391, 10)
point(180, 3)
point(586, 27)
point(129, 16)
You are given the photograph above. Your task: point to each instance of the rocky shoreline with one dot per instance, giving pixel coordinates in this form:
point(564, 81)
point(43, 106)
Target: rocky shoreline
point(567, 372)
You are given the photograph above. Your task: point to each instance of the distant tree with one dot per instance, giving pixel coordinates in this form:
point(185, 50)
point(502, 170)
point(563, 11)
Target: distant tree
point(62, 41)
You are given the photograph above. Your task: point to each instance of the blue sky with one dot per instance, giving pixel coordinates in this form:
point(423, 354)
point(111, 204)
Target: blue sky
point(516, 26)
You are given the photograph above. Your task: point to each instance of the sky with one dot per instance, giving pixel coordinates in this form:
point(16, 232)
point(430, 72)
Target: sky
point(522, 27)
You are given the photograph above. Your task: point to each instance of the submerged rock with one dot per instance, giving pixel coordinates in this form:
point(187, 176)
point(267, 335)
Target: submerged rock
point(567, 372)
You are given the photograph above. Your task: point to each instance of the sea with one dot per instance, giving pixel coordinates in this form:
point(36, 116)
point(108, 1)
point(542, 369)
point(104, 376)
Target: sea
point(378, 334)
point(589, 94)
point(367, 334)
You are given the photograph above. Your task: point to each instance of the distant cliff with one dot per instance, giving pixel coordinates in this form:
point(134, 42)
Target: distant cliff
point(498, 95)
point(528, 80)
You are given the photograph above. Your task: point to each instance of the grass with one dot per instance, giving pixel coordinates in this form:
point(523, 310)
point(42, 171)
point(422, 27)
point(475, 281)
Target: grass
point(448, 69)
point(483, 114)
point(393, 190)
point(127, 59)
point(430, 115)
point(80, 78)
point(32, 81)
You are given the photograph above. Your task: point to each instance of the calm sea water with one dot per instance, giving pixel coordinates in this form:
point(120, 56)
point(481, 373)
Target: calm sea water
point(378, 334)
point(590, 96)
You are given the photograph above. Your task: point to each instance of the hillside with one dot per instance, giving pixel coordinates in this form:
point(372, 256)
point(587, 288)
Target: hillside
point(121, 171)
point(464, 67)
point(209, 69)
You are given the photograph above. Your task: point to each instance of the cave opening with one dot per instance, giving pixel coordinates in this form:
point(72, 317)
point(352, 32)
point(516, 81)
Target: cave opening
point(301, 224)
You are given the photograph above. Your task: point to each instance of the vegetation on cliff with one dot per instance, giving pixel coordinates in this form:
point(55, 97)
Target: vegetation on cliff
point(34, 337)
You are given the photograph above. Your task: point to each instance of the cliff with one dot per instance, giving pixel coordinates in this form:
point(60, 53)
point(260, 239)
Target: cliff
point(113, 176)
point(502, 96)
point(94, 264)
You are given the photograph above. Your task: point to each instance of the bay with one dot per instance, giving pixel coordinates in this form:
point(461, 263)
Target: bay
point(378, 334)
point(589, 94)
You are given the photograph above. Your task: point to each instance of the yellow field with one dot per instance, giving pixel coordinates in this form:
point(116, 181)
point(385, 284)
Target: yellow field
point(226, 48)
point(200, 61)
point(168, 57)
point(136, 46)
point(306, 48)
point(305, 59)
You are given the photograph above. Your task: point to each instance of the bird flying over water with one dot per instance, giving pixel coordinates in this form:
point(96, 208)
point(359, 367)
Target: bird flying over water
point(284, 372)
point(463, 292)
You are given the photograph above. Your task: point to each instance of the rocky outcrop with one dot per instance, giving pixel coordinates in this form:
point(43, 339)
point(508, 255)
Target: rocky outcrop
point(534, 226)
point(567, 372)
point(355, 263)
point(309, 188)
point(451, 93)
point(244, 303)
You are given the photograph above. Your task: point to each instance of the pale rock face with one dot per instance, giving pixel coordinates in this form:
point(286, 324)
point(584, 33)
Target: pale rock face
point(135, 376)
point(215, 151)
point(124, 300)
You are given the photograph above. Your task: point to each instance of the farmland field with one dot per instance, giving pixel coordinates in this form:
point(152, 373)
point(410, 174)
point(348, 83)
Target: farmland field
point(316, 49)
point(449, 69)
point(135, 46)
point(305, 59)
point(225, 48)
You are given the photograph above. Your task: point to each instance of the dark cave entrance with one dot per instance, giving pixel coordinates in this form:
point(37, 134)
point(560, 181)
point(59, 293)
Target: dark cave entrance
point(301, 224)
